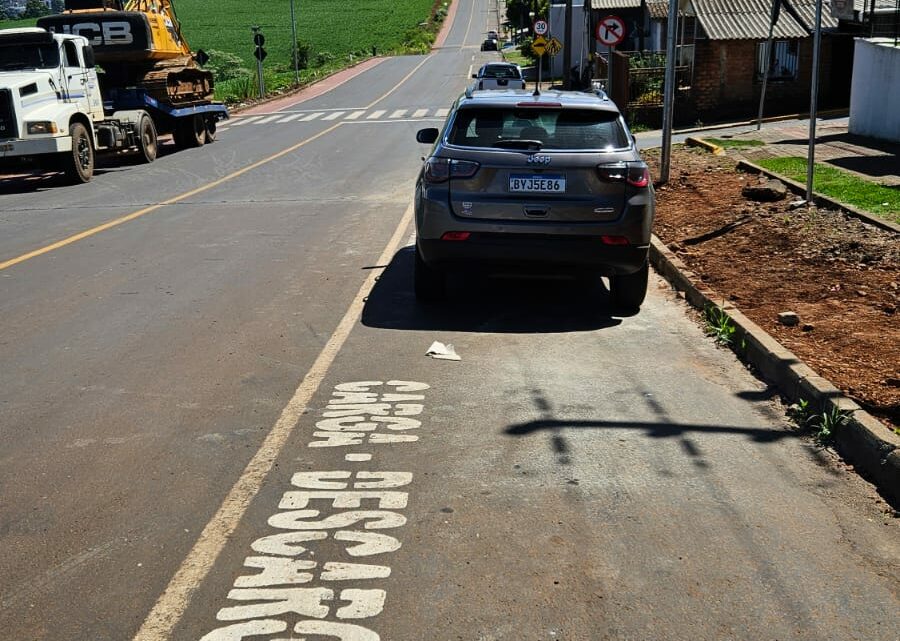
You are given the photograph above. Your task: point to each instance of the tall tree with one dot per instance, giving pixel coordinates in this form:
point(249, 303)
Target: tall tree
point(35, 9)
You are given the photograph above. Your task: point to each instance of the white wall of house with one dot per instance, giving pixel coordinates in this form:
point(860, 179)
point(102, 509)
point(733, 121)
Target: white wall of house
point(875, 89)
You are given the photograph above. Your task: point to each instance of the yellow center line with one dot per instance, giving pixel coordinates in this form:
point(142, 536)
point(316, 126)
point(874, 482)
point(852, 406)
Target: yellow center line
point(399, 84)
point(171, 201)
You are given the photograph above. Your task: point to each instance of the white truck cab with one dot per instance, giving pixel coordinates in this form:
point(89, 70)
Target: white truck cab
point(51, 106)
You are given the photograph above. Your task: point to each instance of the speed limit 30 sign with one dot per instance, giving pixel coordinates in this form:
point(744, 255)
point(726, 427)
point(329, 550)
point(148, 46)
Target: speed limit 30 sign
point(610, 31)
point(541, 27)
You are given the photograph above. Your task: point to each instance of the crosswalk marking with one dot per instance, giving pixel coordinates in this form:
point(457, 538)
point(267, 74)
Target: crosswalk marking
point(381, 115)
point(269, 119)
point(240, 120)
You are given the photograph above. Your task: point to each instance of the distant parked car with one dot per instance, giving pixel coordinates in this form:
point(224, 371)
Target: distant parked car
point(518, 183)
point(489, 45)
point(499, 75)
point(493, 35)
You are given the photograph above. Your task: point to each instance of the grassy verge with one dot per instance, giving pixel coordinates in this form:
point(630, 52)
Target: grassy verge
point(731, 143)
point(333, 36)
point(841, 185)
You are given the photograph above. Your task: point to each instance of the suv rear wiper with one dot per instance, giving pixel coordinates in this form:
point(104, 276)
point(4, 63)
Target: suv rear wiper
point(516, 143)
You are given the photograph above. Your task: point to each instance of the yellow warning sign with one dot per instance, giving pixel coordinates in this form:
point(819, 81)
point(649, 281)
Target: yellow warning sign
point(554, 46)
point(539, 45)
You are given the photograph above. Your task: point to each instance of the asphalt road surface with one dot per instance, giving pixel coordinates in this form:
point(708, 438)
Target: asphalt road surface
point(218, 422)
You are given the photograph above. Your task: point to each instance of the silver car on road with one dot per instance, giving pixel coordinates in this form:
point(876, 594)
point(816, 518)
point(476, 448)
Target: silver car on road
point(518, 183)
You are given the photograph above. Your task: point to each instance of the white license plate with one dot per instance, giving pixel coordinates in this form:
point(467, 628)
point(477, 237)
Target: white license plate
point(544, 184)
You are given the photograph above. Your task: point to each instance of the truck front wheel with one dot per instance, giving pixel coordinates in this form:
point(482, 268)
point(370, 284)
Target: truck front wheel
point(78, 164)
point(147, 143)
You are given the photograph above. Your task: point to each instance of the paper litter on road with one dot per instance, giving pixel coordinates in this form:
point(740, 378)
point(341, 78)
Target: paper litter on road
point(442, 352)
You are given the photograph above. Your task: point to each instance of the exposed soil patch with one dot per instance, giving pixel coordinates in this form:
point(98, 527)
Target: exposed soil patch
point(840, 275)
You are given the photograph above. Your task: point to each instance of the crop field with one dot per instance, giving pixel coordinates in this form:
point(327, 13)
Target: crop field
point(334, 34)
point(330, 27)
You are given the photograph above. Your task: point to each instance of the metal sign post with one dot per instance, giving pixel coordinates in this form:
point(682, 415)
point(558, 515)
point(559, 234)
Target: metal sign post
point(260, 54)
point(539, 46)
point(814, 103)
point(776, 9)
point(296, 47)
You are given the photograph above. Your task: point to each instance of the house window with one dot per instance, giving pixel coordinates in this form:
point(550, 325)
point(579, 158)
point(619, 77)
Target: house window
point(783, 61)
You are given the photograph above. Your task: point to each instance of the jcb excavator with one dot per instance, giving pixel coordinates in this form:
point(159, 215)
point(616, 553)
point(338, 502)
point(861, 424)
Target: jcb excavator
point(139, 44)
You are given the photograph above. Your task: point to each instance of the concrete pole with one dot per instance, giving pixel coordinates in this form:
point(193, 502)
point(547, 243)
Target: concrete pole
point(669, 94)
point(814, 104)
point(294, 48)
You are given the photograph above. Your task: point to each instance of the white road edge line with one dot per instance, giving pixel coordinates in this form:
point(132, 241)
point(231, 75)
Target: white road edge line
point(174, 601)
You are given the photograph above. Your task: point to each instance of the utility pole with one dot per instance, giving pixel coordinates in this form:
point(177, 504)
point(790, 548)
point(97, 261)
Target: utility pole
point(669, 93)
point(567, 51)
point(295, 48)
point(814, 104)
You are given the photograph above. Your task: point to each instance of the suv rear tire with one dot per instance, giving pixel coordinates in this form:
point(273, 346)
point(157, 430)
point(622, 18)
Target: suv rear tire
point(429, 284)
point(629, 290)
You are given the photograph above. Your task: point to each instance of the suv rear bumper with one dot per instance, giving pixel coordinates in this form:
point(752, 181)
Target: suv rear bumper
point(532, 253)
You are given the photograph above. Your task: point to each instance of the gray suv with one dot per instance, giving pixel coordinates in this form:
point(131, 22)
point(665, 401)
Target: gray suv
point(544, 183)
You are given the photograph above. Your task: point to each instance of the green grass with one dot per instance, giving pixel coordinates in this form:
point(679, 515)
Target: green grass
point(338, 33)
point(840, 185)
point(731, 143)
point(515, 56)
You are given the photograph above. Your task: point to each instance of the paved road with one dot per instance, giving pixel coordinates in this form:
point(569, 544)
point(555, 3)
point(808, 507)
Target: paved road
point(217, 424)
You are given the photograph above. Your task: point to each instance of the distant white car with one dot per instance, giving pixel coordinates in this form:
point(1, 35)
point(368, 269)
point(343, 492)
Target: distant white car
point(499, 75)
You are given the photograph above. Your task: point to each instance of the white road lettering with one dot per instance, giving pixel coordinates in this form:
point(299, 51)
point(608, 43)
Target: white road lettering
point(325, 520)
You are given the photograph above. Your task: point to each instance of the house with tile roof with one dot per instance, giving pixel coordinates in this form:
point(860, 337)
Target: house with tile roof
point(725, 43)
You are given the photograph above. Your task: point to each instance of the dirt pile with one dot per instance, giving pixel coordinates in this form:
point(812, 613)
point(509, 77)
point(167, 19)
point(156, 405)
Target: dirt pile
point(839, 275)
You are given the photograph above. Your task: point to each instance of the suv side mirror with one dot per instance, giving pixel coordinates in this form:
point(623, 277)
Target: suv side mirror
point(427, 136)
point(474, 75)
point(87, 53)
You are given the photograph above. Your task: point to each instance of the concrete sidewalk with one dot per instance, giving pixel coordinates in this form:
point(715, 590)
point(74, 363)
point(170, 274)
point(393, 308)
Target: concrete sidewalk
point(872, 159)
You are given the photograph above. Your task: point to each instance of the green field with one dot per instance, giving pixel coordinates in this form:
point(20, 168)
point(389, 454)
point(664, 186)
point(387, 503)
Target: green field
point(337, 33)
point(338, 28)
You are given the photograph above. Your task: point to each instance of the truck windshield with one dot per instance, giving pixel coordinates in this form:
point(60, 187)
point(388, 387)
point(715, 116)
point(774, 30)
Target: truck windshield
point(33, 56)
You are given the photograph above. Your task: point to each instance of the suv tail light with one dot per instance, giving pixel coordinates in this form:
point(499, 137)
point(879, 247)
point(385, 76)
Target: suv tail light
point(635, 174)
point(438, 170)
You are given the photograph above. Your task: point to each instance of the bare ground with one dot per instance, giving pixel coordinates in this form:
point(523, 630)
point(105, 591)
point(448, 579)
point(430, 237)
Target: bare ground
point(840, 275)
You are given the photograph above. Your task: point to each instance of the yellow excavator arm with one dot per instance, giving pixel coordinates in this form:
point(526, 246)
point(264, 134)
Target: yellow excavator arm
point(168, 42)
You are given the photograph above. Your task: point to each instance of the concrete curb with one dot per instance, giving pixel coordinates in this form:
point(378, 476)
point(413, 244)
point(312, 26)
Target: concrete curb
point(819, 199)
point(831, 113)
point(866, 442)
point(705, 144)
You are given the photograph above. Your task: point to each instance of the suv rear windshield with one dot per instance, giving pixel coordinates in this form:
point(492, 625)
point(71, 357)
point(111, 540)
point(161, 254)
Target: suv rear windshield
point(500, 71)
point(544, 128)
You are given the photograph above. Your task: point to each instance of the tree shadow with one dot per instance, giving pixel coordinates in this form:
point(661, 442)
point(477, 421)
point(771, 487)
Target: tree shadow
point(493, 305)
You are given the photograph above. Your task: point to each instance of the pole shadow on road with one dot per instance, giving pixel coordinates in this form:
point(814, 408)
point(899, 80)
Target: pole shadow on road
point(492, 305)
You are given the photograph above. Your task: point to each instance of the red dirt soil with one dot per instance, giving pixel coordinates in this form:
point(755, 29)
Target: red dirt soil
point(840, 275)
